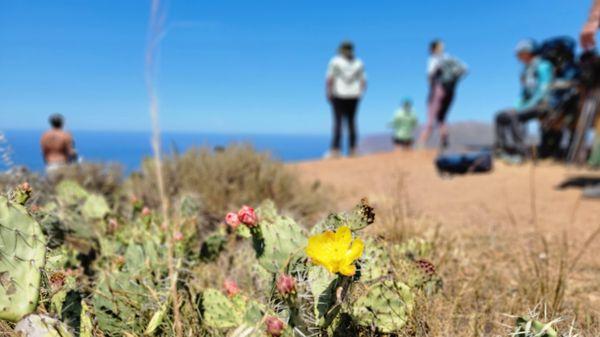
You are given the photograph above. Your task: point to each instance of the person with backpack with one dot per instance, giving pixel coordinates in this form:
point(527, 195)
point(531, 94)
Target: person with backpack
point(443, 74)
point(511, 128)
point(345, 85)
point(404, 124)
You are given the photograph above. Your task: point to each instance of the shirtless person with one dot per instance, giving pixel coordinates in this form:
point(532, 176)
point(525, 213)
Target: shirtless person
point(57, 144)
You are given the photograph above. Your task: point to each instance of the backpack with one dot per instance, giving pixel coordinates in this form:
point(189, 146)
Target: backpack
point(461, 163)
point(451, 71)
point(560, 51)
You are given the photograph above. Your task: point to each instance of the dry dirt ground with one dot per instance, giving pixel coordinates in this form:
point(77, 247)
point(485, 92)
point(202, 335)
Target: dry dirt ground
point(509, 196)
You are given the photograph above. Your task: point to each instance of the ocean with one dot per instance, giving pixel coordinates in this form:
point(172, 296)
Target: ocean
point(129, 148)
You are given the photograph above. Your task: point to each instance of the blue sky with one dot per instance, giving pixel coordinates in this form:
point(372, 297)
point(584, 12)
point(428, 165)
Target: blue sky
point(256, 66)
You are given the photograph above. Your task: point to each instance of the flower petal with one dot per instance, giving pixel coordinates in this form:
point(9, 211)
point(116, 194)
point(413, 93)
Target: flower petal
point(314, 248)
point(355, 251)
point(343, 236)
point(348, 270)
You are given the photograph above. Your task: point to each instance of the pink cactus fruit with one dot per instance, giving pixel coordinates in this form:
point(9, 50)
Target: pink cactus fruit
point(275, 326)
point(247, 216)
point(231, 287)
point(286, 284)
point(232, 220)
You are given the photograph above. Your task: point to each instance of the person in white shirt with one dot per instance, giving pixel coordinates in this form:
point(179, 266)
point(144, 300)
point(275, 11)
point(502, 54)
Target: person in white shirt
point(346, 83)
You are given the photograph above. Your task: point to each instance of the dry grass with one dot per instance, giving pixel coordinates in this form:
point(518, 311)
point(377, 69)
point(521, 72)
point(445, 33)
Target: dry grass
point(492, 276)
point(227, 179)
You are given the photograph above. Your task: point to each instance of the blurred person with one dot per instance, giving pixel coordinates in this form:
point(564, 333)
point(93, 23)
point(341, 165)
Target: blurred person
point(588, 42)
point(588, 32)
point(511, 124)
point(404, 124)
point(346, 83)
point(443, 74)
point(57, 145)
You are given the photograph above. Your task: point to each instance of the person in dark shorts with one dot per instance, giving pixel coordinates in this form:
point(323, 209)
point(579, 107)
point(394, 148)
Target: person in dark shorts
point(443, 73)
point(404, 124)
point(345, 85)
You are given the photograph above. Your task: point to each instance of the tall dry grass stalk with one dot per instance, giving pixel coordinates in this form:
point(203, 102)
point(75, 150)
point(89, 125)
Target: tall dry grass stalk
point(156, 32)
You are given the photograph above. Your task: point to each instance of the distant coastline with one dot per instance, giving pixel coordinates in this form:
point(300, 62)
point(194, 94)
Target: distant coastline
point(129, 148)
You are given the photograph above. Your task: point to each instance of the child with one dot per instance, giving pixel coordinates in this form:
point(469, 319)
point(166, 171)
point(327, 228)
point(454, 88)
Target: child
point(404, 124)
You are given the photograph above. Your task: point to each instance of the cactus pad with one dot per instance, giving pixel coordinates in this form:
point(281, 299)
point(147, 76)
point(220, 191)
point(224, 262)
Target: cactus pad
point(386, 305)
point(221, 312)
point(212, 247)
point(375, 262)
point(360, 217)
point(70, 193)
point(280, 238)
point(22, 255)
point(95, 207)
point(528, 327)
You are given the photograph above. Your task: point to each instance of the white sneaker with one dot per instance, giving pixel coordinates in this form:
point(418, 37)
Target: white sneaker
point(332, 154)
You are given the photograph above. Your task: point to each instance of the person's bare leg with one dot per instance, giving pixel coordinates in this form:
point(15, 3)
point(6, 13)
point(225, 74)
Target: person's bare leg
point(433, 107)
point(443, 135)
point(426, 133)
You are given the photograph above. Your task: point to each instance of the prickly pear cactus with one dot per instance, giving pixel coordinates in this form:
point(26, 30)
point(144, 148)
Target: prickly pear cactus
point(95, 207)
point(386, 305)
point(421, 274)
point(414, 249)
point(221, 312)
point(69, 192)
point(359, 218)
point(322, 286)
point(22, 256)
point(212, 247)
point(375, 262)
point(189, 206)
point(279, 239)
point(529, 327)
point(128, 293)
point(42, 326)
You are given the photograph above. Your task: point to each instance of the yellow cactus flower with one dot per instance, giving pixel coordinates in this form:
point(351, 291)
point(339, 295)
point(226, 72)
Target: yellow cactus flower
point(335, 251)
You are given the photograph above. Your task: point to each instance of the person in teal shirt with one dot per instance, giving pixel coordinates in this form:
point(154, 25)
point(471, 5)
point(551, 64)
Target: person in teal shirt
point(536, 81)
point(404, 124)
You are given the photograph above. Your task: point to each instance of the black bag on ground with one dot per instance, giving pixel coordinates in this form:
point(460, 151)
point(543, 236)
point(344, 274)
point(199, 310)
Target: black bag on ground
point(461, 163)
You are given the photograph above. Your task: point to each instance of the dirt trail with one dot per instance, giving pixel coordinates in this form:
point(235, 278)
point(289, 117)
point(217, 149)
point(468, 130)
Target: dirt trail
point(501, 200)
